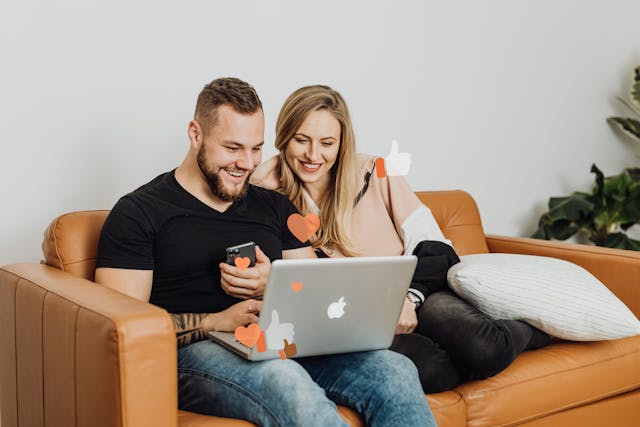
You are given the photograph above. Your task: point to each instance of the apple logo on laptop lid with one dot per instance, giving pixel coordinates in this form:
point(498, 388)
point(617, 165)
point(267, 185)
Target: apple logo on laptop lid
point(336, 309)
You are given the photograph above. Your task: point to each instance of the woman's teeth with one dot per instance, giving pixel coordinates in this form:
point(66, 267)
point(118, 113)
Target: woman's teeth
point(310, 165)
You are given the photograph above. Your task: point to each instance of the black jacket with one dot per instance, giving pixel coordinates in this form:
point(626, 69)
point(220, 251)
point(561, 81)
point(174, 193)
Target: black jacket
point(434, 260)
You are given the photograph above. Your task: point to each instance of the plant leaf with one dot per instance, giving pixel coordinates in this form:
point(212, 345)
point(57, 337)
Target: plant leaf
point(599, 190)
point(634, 92)
point(629, 105)
point(560, 230)
point(540, 233)
point(623, 193)
point(571, 208)
point(634, 173)
point(628, 126)
point(630, 212)
point(618, 187)
point(622, 241)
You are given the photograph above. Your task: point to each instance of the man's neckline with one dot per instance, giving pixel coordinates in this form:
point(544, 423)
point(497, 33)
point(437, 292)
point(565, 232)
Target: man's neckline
point(210, 208)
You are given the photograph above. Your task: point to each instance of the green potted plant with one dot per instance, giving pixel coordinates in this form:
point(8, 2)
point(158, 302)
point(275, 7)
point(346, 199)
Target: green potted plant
point(612, 207)
point(605, 214)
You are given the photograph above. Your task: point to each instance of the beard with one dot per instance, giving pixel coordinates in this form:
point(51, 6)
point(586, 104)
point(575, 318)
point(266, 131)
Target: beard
point(215, 183)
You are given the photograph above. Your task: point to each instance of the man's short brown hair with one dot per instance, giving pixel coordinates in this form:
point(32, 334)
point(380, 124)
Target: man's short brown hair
point(239, 95)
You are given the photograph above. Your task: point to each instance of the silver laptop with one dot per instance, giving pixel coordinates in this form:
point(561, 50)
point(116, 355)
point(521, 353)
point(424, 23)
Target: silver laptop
point(326, 306)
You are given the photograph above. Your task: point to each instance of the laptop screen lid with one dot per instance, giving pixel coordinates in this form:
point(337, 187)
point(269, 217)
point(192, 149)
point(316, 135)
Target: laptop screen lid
point(333, 305)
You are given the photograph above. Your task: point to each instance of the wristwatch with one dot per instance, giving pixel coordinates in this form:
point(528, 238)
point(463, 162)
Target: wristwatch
point(414, 299)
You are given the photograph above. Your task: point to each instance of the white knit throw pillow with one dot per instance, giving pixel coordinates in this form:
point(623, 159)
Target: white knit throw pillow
point(556, 296)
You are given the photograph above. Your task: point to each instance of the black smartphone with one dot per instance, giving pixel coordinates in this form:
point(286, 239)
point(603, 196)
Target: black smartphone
point(245, 250)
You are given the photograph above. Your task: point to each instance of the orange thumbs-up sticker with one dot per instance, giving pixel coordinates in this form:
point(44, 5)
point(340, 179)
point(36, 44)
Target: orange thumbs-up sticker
point(380, 171)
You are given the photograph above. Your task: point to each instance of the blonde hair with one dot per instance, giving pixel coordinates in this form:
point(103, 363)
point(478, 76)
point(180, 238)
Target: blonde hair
point(337, 206)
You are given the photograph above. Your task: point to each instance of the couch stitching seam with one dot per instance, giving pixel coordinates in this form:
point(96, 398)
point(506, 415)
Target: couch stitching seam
point(55, 244)
point(75, 366)
point(42, 319)
point(15, 344)
point(571, 249)
point(569, 406)
point(549, 375)
point(79, 261)
point(450, 405)
point(462, 225)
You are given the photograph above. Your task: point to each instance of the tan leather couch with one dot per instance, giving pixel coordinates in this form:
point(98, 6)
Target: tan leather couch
point(74, 353)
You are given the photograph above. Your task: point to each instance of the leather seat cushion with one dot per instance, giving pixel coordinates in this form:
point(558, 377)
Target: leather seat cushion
point(447, 407)
point(562, 376)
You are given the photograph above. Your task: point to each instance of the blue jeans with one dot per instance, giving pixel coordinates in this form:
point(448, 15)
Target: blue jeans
point(381, 385)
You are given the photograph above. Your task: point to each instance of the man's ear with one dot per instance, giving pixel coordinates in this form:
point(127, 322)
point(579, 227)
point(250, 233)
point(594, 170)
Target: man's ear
point(194, 131)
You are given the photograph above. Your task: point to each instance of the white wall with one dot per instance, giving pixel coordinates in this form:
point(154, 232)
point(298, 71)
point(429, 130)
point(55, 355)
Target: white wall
point(505, 99)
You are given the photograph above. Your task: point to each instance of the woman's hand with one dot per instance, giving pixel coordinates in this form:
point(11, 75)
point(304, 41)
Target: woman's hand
point(408, 318)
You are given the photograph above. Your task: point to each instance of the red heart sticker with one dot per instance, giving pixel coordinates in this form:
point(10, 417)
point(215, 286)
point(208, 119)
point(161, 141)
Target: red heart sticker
point(242, 262)
point(261, 345)
point(248, 335)
point(303, 227)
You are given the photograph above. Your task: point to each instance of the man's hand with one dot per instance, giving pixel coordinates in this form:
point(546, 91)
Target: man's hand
point(240, 314)
point(246, 283)
point(408, 318)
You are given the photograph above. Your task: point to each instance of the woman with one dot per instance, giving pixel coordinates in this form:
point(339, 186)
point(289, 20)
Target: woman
point(363, 215)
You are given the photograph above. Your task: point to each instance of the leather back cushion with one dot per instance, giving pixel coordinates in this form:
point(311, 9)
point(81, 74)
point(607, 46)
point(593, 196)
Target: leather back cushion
point(457, 215)
point(71, 240)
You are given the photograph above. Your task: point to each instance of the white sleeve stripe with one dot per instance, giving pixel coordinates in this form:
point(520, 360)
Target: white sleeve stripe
point(419, 226)
point(418, 294)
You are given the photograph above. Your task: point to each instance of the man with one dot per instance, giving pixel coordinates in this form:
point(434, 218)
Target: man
point(165, 243)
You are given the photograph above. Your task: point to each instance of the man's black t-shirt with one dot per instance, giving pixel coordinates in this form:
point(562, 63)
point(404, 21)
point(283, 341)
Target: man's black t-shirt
point(162, 227)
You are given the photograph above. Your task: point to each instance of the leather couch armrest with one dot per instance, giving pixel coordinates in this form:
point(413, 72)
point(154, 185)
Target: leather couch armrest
point(82, 354)
point(618, 269)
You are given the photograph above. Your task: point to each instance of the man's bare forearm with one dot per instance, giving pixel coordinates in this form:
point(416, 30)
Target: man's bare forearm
point(189, 327)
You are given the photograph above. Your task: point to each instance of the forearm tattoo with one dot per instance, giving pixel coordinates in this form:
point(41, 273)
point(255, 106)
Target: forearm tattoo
point(188, 327)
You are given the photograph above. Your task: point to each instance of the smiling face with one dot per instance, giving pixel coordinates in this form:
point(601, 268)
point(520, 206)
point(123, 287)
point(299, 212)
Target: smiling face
point(229, 153)
point(314, 148)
